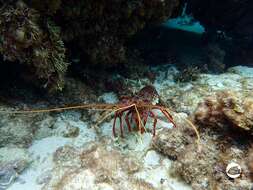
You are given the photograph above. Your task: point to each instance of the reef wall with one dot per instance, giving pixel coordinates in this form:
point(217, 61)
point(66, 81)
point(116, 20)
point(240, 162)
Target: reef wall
point(43, 36)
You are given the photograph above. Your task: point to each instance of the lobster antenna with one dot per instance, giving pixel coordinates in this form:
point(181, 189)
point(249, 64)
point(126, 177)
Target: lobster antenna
point(196, 131)
point(113, 111)
point(85, 106)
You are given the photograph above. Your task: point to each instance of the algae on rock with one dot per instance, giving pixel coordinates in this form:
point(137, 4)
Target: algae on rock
point(35, 42)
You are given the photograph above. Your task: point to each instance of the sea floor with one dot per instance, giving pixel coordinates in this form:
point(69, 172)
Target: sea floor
point(65, 151)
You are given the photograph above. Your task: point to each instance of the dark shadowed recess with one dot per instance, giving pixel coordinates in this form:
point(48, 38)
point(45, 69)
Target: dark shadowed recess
point(162, 45)
point(235, 19)
point(14, 87)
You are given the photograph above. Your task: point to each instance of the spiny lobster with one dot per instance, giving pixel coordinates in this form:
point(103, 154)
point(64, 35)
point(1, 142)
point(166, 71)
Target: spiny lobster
point(138, 107)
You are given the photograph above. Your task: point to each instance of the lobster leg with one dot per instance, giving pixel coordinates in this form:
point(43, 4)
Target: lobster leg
point(127, 120)
point(145, 118)
point(114, 123)
point(121, 125)
point(136, 122)
point(155, 122)
point(168, 116)
point(131, 119)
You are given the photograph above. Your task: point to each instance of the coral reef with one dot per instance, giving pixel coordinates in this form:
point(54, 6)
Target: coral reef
point(34, 42)
point(226, 108)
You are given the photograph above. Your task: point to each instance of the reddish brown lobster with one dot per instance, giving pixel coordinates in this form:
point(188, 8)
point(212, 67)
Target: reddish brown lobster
point(139, 107)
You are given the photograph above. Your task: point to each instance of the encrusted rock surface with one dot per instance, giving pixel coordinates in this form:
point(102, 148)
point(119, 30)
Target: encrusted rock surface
point(175, 145)
point(226, 108)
